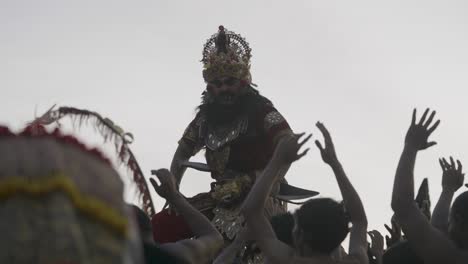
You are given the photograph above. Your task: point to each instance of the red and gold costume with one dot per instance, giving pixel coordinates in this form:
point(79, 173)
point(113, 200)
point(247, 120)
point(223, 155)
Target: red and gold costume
point(235, 154)
point(236, 151)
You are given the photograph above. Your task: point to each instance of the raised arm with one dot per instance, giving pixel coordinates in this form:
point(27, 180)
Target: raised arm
point(429, 243)
point(253, 206)
point(285, 154)
point(208, 240)
point(416, 139)
point(353, 204)
point(452, 180)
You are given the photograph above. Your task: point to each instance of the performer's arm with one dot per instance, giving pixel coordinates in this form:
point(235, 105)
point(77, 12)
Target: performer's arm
point(183, 153)
point(208, 240)
point(276, 128)
point(189, 145)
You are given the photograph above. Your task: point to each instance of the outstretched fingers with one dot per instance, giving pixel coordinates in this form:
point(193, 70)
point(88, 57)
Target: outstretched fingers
point(304, 140)
point(413, 119)
point(299, 156)
point(446, 164)
point(429, 120)
point(319, 145)
point(452, 163)
point(426, 123)
point(300, 144)
point(423, 118)
point(156, 186)
point(442, 165)
point(324, 131)
point(430, 144)
point(388, 228)
point(434, 127)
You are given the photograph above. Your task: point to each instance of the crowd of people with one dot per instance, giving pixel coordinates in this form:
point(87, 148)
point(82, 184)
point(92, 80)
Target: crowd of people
point(316, 230)
point(52, 177)
point(61, 202)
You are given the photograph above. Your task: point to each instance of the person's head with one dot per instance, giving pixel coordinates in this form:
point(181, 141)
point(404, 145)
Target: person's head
point(283, 225)
point(225, 90)
point(458, 220)
point(401, 253)
point(230, 102)
point(144, 224)
point(226, 61)
point(321, 224)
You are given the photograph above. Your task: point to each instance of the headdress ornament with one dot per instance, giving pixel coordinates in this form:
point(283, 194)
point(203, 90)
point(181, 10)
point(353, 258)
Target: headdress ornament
point(226, 54)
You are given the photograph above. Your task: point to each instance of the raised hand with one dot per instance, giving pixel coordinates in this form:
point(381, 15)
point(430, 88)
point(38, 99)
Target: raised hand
point(452, 175)
point(168, 187)
point(288, 148)
point(395, 234)
point(328, 152)
point(377, 243)
point(418, 134)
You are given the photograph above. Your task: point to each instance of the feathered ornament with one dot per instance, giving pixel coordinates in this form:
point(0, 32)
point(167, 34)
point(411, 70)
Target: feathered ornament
point(110, 132)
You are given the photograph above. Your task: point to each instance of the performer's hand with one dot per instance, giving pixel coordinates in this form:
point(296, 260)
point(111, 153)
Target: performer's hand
point(328, 152)
point(418, 134)
point(452, 176)
point(168, 187)
point(288, 148)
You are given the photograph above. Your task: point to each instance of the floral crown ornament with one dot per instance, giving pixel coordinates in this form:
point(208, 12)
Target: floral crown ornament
point(226, 54)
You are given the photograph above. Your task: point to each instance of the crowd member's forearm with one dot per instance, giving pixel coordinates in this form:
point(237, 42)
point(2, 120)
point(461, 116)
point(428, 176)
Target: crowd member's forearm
point(350, 196)
point(260, 192)
point(403, 186)
point(199, 224)
point(441, 211)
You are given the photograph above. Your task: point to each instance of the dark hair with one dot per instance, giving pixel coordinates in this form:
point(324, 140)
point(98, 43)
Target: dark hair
point(247, 103)
point(324, 224)
point(283, 225)
point(460, 207)
point(401, 253)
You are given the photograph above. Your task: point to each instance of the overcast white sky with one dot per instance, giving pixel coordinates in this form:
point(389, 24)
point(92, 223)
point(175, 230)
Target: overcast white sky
point(358, 66)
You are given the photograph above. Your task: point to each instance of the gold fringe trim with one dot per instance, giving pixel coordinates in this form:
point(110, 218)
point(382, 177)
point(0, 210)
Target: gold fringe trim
point(60, 182)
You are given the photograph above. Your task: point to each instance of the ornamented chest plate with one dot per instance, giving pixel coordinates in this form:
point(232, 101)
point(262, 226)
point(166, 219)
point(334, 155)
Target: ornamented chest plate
point(220, 136)
point(228, 221)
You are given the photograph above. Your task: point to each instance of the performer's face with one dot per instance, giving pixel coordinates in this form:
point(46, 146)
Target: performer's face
point(225, 90)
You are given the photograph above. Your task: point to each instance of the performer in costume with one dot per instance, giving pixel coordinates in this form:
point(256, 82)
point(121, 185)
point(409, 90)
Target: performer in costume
point(238, 128)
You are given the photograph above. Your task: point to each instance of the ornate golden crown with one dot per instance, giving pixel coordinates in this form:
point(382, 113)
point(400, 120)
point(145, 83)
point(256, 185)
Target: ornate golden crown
point(226, 54)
